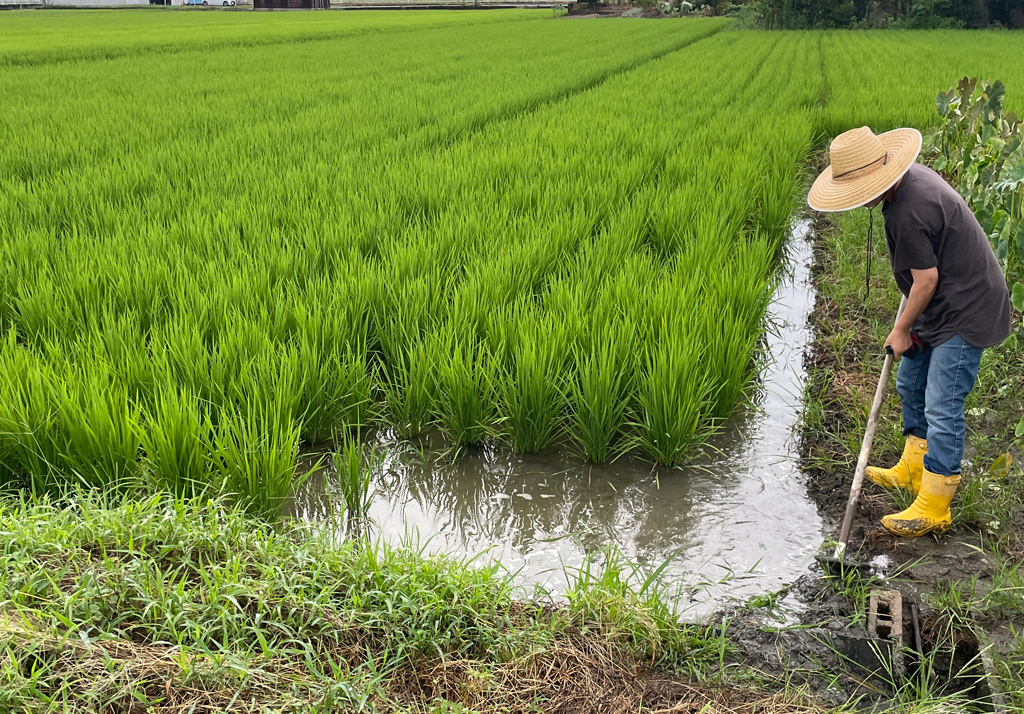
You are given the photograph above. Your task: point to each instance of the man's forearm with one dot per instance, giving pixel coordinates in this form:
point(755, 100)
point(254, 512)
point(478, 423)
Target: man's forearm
point(921, 293)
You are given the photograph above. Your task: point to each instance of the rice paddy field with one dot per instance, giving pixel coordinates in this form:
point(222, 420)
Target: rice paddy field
point(229, 237)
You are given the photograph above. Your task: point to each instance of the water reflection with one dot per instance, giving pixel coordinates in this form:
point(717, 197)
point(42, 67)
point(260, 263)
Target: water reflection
point(737, 520)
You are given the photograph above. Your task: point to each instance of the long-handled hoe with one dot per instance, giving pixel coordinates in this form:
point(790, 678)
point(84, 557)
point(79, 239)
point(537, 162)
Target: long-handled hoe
point(836, 564)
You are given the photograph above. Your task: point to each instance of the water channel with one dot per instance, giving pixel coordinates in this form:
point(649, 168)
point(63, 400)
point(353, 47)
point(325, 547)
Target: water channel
point(734, 523)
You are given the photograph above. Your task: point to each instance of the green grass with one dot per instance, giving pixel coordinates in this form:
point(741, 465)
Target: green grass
point(113, 603)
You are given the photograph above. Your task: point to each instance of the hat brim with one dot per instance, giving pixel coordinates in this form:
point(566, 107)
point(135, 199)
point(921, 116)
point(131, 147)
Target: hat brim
point(828, 195)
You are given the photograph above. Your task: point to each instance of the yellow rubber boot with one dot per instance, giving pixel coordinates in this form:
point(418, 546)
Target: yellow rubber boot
point(930, 510)
point(907, 472)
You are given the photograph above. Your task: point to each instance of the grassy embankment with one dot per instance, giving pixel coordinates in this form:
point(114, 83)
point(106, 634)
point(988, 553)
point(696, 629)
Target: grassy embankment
point(122, 605)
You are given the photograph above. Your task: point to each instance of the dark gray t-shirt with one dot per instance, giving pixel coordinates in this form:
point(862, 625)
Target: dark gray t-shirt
point(928, 225)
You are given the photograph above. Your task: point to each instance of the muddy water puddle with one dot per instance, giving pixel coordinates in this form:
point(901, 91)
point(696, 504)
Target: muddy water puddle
point(736, 522)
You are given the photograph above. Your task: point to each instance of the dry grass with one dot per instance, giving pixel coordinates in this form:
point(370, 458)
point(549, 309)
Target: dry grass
point(580, 674)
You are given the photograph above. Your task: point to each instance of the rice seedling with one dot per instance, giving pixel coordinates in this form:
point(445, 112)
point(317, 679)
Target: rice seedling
point(177, 442)
point(90, 35)
point(465, 388)
point(674, 395)
point(353, 479)
point(600, 394)
point(255, 458)
point(530, 389)
point(408, 388)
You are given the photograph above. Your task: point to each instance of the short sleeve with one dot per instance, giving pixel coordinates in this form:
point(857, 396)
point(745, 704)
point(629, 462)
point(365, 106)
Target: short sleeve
point(913, 250)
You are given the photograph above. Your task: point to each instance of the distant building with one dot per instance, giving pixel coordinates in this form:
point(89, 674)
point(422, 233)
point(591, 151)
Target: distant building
point(292, 4)
point(112, 3)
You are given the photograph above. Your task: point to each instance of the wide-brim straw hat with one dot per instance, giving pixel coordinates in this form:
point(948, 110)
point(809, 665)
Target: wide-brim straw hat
point(863, 167)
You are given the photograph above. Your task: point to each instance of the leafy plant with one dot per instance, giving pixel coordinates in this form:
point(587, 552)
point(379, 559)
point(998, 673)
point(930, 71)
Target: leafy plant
point(979, 148)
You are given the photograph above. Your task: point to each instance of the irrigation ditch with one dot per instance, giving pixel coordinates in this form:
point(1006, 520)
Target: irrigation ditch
point(888, 635)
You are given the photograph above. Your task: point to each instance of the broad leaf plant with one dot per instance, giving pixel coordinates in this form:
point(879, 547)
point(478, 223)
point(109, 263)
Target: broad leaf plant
point(979, 148)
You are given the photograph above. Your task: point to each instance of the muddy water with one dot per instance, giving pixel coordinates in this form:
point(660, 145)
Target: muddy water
point(735, 523)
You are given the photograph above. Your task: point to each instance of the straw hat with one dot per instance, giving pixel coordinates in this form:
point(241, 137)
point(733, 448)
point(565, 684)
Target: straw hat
point(863, 167)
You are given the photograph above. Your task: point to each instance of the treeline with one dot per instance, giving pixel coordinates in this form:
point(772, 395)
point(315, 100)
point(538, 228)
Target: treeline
point(924, 14)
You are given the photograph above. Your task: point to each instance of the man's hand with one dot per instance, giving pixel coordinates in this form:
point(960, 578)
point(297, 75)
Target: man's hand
point(899, 340)
point(921, 291)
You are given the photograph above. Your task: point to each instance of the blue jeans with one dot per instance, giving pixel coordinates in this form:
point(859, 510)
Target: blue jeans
point(933, 387)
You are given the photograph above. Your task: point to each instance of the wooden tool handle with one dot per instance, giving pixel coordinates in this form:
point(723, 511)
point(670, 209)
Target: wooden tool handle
point(865, 445)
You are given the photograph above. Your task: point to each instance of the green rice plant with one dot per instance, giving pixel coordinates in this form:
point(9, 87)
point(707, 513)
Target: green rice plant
point(731, 350)
point(345, 390)
point(674, 394)
point(600, 395)
point(31, 438)
point(285, 297)
point(185, 358)
point(336, 390)
point(177, 440)
point(276, 379)
point(415, 276)
point(255, 457)
point(465, 387)
point(102, 428)
point(65, 37)
point(743, 290)
point(530, 390)
point(408, 388)
point(779, 184)
point(333, 384)
point(354, 478)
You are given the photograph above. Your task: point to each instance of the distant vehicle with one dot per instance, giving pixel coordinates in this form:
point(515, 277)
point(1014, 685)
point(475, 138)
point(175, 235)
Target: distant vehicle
point(225, 3)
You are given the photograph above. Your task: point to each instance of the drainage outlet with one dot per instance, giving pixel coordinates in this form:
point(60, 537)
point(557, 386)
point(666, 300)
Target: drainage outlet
point(885, 628)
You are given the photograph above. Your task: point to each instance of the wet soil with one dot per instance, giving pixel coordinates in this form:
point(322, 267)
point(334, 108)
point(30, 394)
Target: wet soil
point(828, 651)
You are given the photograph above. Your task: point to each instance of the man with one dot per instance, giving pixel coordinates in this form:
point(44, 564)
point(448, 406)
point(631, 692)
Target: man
point(957, 305)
